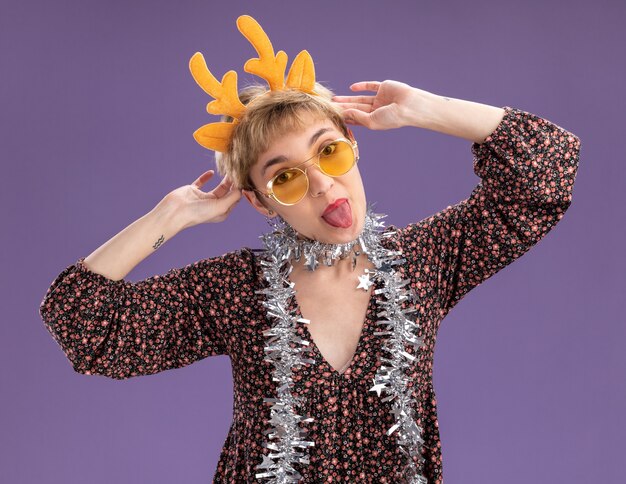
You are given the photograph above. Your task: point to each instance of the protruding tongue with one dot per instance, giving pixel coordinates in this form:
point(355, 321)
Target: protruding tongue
point(340, 216)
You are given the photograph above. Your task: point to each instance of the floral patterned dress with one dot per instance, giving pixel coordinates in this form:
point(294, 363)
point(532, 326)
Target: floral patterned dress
point(122, 329)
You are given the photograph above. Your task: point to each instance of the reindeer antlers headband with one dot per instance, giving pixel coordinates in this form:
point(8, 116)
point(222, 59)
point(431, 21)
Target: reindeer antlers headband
point(301, 76)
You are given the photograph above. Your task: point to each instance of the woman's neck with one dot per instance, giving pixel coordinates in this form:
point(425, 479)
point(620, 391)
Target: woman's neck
point(341, 268)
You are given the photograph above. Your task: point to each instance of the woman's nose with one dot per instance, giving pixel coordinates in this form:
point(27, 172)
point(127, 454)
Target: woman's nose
point(319, 183)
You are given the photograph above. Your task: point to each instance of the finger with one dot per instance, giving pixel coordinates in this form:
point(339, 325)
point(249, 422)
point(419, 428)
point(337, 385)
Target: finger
point(230, 199)
point(365, 86)
point(202, 179)
point(359, 118)
point(234, 204)
point(367, 108)
point(223, 188)
point(354, 99)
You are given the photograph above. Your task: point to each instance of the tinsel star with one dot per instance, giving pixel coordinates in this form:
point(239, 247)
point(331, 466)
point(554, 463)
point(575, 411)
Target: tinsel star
point(311, 262)
point(385, 267)
point(377, 388)
point(364, 282)
point(266, 464)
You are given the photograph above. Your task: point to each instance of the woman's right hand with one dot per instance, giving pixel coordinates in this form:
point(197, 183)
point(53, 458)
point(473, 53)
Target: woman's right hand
point(192, 206)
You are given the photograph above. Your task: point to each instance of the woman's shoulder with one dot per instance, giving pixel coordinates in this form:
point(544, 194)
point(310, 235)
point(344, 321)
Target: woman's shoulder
point(243, 263)
point(409, 234)
point(419, 241)
point(237, 260)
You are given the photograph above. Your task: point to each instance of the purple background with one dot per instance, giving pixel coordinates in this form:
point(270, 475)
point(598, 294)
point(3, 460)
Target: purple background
point(97, 109)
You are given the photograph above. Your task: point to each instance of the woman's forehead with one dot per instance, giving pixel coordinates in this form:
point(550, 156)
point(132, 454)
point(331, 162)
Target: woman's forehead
point(299, 138)
point(298, 135)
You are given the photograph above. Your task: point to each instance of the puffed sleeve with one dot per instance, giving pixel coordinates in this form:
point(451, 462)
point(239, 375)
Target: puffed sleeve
point(527, 168)
point(120, 329)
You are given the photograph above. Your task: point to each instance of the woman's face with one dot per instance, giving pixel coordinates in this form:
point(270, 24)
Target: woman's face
point(308, 216)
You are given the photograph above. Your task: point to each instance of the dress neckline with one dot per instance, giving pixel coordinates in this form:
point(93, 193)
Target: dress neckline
point(365, 329)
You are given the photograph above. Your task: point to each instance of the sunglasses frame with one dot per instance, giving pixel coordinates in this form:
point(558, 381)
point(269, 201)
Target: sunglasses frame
point(352, 143)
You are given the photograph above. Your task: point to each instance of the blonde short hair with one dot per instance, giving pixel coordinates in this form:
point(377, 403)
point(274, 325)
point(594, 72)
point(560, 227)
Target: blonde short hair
point(269, 115)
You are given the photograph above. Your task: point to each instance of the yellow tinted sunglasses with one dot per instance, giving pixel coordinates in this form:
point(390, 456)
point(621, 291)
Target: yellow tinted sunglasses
point(291, 185)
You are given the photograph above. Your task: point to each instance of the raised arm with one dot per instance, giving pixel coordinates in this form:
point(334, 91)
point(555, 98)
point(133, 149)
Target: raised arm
point(527, 168)
point(112, 327)
point(397, 104)
point(181, 208)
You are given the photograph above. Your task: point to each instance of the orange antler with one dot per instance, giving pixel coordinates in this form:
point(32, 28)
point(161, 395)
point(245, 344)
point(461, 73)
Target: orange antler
point(302, 73)
point(214, 136)
point(267, 66)
point(225, 93)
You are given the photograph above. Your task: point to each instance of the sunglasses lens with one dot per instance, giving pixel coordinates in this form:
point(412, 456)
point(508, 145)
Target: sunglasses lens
point(337, 158)
point(290, 186)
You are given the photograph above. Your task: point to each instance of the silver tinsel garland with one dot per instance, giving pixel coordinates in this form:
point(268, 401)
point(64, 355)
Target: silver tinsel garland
point(287, 441)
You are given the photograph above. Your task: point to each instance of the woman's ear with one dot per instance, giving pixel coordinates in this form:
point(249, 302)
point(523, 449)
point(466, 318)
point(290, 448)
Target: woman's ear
point(256, 203)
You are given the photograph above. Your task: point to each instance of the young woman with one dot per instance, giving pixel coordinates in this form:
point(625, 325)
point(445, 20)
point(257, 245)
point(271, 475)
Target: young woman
point(331, 326)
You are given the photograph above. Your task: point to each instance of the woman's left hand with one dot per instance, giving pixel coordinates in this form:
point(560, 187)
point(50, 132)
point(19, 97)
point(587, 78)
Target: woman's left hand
point(390, 107)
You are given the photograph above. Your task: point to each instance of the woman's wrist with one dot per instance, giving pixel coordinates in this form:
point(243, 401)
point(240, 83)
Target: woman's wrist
point(166, 216)
point(420, 108)
point(456, 117)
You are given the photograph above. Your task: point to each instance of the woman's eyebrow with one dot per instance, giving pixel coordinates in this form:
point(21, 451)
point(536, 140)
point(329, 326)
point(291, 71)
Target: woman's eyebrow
point(282, 158)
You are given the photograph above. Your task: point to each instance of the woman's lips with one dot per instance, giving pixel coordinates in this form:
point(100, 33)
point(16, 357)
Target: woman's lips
point(334, 205)
point(338, 214)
